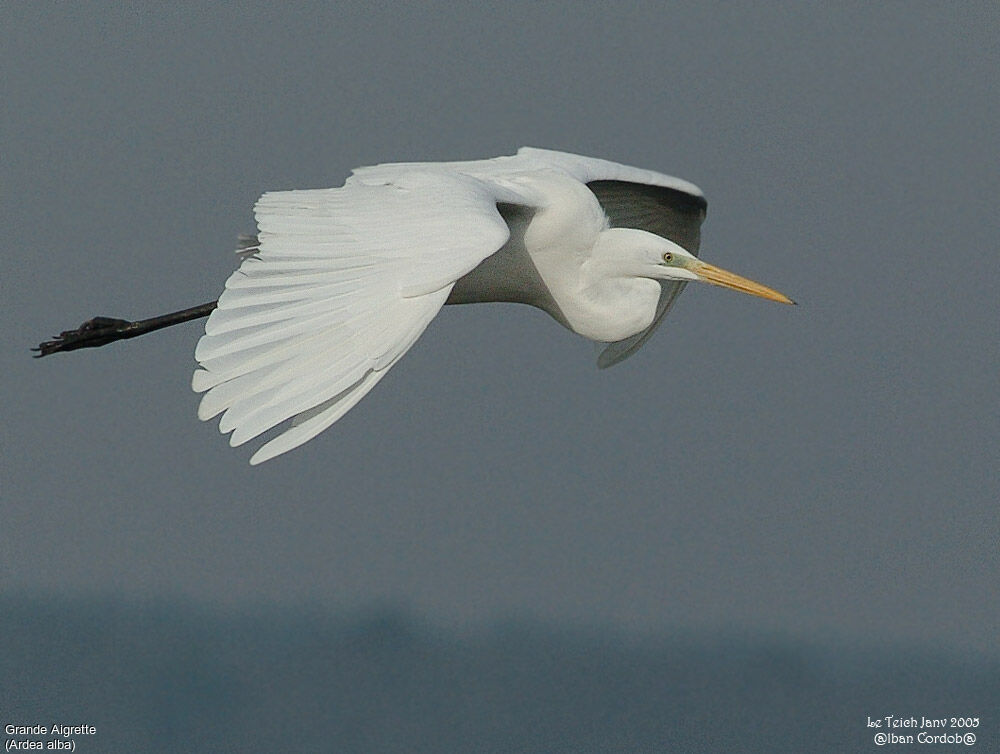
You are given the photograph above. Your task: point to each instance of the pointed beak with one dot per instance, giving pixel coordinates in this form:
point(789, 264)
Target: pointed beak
point(718, 276)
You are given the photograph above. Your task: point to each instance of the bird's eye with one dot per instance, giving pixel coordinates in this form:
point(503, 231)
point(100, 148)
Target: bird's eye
point(668, 257)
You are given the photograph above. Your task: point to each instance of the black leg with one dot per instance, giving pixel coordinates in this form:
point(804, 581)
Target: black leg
point(100, 331)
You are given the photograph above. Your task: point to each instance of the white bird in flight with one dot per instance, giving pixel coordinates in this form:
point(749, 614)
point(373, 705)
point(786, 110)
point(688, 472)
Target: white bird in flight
point(339, 283)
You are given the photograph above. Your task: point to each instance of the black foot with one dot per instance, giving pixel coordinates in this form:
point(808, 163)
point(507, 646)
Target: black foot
point(92, 333)
point(101, 330)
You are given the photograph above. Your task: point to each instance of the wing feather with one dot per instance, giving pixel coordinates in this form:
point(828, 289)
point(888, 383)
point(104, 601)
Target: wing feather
point(342, 283)
point(675, 215)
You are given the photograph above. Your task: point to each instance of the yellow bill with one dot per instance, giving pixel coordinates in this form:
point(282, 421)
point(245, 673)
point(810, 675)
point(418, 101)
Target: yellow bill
point(718, 276)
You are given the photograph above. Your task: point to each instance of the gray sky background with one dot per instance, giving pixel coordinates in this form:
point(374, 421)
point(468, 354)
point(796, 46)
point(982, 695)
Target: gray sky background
point(827, 471)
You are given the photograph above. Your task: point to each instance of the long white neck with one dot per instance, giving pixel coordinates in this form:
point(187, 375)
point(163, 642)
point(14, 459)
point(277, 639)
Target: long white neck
point(579, 260)
point(563, 259)
point(609, 308)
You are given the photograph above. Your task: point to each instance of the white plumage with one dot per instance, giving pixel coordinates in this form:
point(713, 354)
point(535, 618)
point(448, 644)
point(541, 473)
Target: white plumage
point(343, 281)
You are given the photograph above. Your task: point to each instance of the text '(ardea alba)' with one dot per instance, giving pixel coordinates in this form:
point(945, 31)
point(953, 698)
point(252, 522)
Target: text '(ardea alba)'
point(339, 283)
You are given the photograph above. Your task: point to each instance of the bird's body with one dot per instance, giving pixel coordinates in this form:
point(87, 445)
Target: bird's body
point(339, 283)
point(550, 261)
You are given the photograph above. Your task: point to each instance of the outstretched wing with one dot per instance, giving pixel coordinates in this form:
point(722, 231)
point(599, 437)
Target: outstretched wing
point(343, 283)
point(669, 212)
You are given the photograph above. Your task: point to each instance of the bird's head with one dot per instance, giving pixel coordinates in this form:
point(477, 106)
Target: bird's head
point(641, 254)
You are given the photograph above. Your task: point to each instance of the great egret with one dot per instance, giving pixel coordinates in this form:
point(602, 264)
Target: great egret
point(339, 283)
